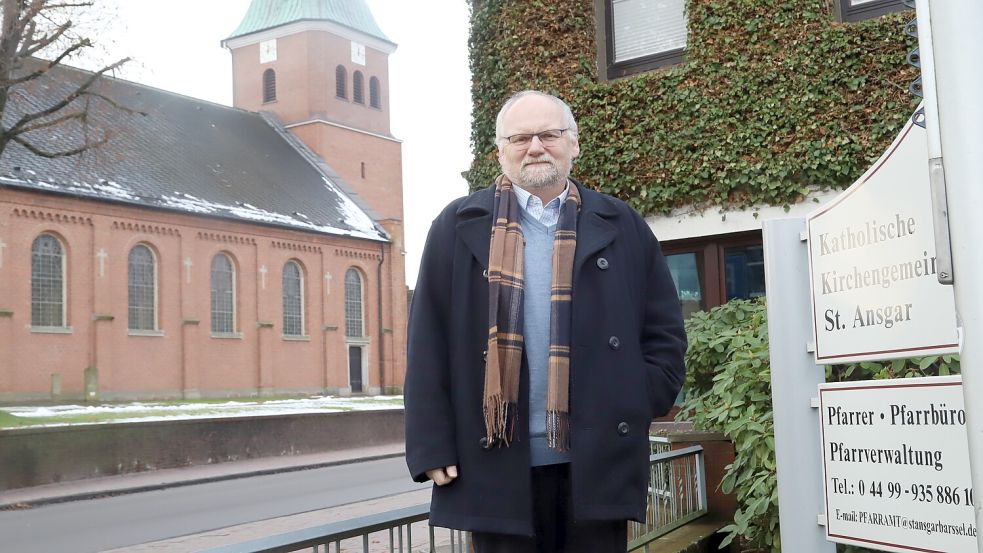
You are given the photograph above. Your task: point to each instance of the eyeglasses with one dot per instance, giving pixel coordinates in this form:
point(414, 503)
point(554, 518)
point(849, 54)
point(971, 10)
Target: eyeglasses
point(546, 137)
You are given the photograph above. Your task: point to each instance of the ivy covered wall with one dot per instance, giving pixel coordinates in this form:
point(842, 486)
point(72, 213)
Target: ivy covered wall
point(775, 98)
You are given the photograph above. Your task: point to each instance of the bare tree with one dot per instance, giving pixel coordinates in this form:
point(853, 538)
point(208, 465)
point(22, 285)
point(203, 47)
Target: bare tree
point(38, 36)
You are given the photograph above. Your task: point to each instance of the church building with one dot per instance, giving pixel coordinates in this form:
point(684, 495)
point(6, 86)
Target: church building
point(212, 251)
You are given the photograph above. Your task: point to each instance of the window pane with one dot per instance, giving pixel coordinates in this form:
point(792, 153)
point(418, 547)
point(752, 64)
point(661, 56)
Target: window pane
point(645, 27)
point(47, 282)
point(269, 86)
point(357, 87)
point(354, 326)
point(374, 92)
point(744, 273)
point(341, 85)
point(293, 312)
point(686, 275)
point(141, 278)
point(223, 295)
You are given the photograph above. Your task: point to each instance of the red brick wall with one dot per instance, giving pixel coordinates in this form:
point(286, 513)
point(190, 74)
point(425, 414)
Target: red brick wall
point(305, 79)
point(186, 360)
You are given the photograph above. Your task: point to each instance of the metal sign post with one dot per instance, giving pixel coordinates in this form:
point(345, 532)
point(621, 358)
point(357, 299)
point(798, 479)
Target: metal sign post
point(957, 40)
point(794, 376)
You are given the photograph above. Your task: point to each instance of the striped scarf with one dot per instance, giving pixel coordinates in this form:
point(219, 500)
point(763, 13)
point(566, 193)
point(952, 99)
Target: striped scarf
point(505, 342)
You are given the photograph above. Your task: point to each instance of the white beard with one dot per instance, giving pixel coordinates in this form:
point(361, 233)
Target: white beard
point(540, 176)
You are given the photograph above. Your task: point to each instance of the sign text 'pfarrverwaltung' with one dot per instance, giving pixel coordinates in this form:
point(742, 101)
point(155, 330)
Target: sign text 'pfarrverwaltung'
point(896, 465)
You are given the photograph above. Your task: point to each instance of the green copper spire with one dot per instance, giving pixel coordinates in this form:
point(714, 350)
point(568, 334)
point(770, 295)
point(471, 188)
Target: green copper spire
point(266, 14)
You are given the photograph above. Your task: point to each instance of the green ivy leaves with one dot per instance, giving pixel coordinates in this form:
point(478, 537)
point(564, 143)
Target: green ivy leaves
point(775, 99)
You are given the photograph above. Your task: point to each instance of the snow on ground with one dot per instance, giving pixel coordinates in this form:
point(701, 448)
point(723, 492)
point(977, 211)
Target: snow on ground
point(151, 411)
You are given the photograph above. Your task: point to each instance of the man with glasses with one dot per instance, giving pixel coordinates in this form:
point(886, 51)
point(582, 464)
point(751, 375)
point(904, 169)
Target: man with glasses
point(545, 335)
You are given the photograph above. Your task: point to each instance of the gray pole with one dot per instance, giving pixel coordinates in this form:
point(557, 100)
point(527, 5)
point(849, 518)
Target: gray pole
point(957, 36)
point(794, 377)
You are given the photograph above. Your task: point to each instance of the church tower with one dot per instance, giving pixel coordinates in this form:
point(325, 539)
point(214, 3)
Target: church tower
point(322, 67)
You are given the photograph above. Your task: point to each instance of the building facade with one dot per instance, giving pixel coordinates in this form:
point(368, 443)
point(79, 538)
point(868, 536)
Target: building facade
point(207, 251)
point(707, 116)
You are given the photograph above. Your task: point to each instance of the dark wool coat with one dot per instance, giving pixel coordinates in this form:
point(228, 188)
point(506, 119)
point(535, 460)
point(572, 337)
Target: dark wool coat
point(626, 368)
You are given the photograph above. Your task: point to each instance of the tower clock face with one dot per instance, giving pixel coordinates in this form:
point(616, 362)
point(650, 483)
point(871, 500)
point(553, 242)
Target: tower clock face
point(358, 53)
point(267, 51)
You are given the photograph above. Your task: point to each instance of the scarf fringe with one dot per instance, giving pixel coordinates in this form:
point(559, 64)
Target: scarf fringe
point(558, 430)
point(500, 420)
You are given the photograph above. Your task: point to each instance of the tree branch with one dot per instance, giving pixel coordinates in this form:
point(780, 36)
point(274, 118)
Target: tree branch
point(81, 90)
point(49, 64)
point(46, 27)
point(31, 46)
point(50, 123)
point(57, 154)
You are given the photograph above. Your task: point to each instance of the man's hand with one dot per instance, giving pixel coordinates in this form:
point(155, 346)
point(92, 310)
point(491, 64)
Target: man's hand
point(443, 476)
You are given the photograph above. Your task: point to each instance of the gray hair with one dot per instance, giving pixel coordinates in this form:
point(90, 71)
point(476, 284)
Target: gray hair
point(568, 118)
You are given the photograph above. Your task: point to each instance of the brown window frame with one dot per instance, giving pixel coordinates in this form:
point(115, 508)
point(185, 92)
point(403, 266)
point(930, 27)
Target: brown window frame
point(710, 255)
point(614, 70)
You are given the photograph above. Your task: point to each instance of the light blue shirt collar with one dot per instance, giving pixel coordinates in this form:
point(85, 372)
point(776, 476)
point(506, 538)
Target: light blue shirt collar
point(547, 214)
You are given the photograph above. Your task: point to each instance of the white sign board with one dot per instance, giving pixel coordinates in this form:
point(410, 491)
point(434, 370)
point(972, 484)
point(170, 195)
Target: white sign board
point(896, 465)
point(875, 289)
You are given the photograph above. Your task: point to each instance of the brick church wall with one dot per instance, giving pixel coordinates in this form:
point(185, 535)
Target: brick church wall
point(183, 359)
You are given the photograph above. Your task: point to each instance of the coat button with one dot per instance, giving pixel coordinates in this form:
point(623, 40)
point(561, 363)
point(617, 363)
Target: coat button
point(485, 443)
point(622, 428)
point(602, 263)
point(484, 273)
point(484, 355)
point(614, 342)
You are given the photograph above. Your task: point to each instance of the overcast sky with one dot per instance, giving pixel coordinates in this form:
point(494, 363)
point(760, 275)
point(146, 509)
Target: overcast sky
point(175, 45)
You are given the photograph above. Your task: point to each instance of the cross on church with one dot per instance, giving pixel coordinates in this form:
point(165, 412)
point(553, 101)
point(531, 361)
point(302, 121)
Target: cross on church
point(2, 246)
point(327, 283)
point(102, 255)
point(262, 274)
point(187, 269)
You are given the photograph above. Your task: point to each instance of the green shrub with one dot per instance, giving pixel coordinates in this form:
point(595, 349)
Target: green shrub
point(728, 390)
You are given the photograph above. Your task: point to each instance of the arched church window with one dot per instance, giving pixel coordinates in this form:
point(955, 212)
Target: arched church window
point(374, 93)
point(354, 322)
point(269, 86)
point(47, 282)
point(223, 295)
point(293, 300)
point(358, 94)
point(142, 288)
point(341, 82)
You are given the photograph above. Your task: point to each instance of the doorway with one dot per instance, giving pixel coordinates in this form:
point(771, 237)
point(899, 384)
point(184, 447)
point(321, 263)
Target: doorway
point(355, 369)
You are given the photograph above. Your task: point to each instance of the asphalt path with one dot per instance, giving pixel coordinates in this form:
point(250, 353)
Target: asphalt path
point(112, 522)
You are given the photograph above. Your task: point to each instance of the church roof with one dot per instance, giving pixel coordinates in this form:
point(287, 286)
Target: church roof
point(266, 14)
point(181, 154)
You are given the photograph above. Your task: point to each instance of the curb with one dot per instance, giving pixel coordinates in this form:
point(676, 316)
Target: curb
point(31, 503)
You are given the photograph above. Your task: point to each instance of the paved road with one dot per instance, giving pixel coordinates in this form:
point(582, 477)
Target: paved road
point(107, 523)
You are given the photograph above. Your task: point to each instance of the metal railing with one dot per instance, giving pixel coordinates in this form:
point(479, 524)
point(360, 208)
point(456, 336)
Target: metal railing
point(677, 492)
point(677, 495)
point(389, 532)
